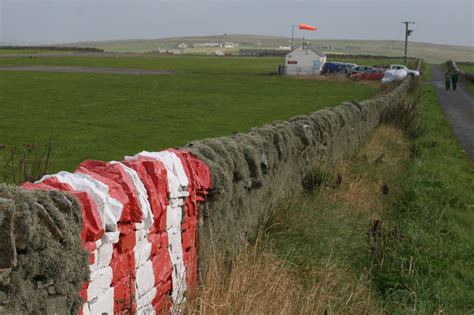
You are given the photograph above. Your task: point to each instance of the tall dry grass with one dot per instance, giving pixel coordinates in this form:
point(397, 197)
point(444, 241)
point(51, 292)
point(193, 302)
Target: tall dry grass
point(254, 281)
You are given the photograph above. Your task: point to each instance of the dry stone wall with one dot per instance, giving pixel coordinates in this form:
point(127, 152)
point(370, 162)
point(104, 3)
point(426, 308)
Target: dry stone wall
point(42, 263)
point(125, 237)
point(252, 172)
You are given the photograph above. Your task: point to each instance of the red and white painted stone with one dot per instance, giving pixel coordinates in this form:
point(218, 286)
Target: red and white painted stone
point(140, 228)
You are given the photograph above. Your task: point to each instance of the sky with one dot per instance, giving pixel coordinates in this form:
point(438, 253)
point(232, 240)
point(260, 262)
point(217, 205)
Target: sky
point(55, 21)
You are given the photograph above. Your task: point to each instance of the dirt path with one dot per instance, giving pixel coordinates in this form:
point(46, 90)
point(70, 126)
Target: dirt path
point(85, 70)
point(458, 106)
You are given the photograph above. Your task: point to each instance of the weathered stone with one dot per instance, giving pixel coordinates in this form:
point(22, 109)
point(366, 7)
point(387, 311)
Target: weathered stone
point(7, 239)
point(45, 226)
point(56, 305)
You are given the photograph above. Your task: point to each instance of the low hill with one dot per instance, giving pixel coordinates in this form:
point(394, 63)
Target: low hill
point(430, 52)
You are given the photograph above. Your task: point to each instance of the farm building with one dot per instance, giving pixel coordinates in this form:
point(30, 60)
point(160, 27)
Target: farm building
point(304, 60)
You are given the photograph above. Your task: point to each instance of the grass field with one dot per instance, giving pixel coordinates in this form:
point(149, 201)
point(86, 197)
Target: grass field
point(99, 116)
point(466, 67)
point(25, 51)
point(181, 64)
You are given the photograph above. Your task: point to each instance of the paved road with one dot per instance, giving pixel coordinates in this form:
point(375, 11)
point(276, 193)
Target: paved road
point(458, 106)
point(85, 70)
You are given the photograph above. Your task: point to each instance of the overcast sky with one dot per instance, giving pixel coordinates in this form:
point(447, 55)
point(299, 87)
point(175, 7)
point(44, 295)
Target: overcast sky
point(53, 21)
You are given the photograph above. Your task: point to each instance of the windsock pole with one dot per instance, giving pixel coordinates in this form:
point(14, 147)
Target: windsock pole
point(292, 35)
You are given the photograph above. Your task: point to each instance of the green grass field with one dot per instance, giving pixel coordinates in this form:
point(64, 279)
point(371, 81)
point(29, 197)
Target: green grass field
point(25, 51)
point(181, 64)
point(467, 67)
point(101, 116)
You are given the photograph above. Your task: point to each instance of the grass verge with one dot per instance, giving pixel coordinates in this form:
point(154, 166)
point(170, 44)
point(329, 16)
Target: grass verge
point(425, 259)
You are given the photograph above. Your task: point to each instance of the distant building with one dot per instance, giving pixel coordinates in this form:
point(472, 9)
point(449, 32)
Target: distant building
point(207, 45)
point(169, 51)
point(230, 45)
point(262, 52)
point(284, 47)
point(304, 60)
point(183, 46)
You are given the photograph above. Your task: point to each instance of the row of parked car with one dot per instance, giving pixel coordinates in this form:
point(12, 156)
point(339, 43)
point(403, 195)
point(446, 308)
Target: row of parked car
point(389, 73)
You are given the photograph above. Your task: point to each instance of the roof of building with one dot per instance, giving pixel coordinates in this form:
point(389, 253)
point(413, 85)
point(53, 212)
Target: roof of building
point(313, 49)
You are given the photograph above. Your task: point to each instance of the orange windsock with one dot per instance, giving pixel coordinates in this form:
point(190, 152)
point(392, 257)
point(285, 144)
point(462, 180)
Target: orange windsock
point(307, 27)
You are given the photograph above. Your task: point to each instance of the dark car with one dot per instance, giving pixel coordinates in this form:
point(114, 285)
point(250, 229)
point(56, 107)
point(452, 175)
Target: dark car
point(346, 67)
point(332, 67)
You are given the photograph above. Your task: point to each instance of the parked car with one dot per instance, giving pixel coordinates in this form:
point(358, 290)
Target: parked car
point(394, 75)
point(331, 67)
point(374, 74)
point(402, 67)
point(360, 69)
point(347, 67)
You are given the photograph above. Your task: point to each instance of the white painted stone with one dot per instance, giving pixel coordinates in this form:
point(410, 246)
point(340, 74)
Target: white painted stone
point(104, 255)
point(103, 304)
point(142, 252)
point(111, 237)
point(139, 225)
point(145, 279)
point(175, 248)
point(104, 250)
point(100, 281)
point(147, 310)
point(110, 209)
point(146, 299)
point(176, 202)
point(140, 233)
point(85, 309)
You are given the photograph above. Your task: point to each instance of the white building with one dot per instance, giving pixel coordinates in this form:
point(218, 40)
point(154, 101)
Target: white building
point(304, 60)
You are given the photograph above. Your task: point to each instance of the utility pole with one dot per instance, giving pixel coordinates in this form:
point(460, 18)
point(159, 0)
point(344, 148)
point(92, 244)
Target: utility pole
point(407, 33)
point(292, 35)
